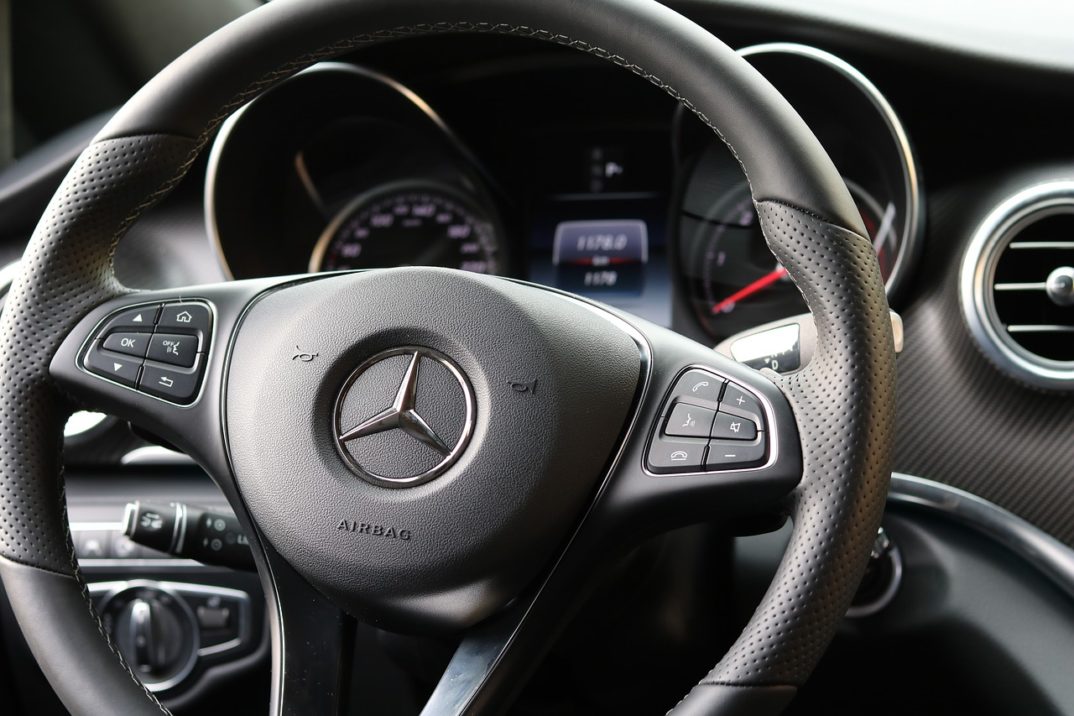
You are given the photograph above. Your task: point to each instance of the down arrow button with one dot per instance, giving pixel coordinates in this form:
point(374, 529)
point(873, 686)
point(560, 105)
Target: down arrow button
point(113, 366)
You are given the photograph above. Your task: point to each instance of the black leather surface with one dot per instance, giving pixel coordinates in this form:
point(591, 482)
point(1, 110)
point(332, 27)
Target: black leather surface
point(844, 402)
point(65, 633)
point(67, 271)
point(131, 165)
point(729, 700)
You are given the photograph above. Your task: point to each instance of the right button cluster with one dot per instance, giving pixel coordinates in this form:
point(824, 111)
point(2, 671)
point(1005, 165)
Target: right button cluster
point(708, 423)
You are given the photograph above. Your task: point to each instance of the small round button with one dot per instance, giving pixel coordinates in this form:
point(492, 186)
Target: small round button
point(1060, 286)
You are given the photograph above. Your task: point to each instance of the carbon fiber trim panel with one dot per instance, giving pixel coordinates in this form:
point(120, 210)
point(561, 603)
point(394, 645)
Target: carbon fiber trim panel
point(961, 421)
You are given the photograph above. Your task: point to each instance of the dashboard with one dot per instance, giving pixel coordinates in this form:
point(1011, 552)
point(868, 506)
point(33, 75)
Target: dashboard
point(510, 157)
point(628, 199)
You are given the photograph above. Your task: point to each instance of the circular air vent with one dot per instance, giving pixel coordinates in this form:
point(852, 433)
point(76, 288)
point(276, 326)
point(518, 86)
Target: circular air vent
point(1017, 285)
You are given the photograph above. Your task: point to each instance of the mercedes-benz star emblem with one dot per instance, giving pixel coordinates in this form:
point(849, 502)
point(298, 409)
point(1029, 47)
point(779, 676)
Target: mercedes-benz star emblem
point(393, 461)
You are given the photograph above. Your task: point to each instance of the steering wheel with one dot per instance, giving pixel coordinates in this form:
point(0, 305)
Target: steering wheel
point(433, 451)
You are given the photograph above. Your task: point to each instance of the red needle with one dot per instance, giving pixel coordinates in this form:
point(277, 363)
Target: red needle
point(763, 282)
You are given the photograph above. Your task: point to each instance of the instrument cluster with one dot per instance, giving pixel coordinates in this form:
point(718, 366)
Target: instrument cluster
point(611, 191)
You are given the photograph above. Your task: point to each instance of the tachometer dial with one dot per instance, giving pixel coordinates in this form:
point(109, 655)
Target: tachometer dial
point(736, 281)
point(731, 278)
point(410, 224)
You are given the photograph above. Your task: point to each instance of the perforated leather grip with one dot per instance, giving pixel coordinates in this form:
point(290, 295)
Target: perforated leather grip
point(844, 404)
point(67, 270)
point(843, 401)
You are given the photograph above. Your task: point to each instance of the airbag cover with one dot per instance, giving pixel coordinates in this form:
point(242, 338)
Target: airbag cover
point(553, 381)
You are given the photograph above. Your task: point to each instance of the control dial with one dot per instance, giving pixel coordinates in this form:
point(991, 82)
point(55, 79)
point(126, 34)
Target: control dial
point(155, 631)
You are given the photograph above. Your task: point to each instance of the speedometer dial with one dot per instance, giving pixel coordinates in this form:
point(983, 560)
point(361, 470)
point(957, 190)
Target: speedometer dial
point(409, 224)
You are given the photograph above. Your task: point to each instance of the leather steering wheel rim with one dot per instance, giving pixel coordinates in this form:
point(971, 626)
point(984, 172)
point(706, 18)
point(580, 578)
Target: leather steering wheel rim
point(843, 401)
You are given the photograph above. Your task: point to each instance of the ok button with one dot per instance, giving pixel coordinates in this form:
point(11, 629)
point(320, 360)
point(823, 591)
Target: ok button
point(132, 344)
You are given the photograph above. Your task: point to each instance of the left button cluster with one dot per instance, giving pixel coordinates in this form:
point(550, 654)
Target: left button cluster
point(157, 348)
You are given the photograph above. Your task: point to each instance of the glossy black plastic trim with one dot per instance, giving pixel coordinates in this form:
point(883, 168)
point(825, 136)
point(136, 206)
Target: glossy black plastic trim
point(201, 360)
point(768, 429)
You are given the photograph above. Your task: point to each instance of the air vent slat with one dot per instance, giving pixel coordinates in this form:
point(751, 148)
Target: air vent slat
point(1037, 322)
point(1030, 286)
point(1043, 328)
point(1055, 245)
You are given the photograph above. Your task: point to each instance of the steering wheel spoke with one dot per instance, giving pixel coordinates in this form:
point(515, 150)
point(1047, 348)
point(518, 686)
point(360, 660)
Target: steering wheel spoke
point(157, 359)
point(495, 658)
point(714, 440)
point(312, 645)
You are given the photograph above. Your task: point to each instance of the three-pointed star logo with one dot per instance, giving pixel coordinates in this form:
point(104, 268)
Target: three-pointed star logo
point(401, 415)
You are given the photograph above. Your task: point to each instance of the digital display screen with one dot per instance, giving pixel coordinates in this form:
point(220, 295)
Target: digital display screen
point(598, 219)
point(601, 256)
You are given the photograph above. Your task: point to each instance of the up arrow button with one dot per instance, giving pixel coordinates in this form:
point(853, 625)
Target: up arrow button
point(142, 317)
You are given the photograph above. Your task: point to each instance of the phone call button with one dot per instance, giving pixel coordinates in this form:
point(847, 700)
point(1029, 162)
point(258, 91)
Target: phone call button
point(699, 385)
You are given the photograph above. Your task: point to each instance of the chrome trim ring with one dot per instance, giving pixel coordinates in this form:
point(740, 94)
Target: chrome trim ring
point(877, 605)
point(1048, 555)
point(488, 223)
point(914, 225)
point(108, 590)
point(977, 272)
point(111, 590)
point(228, 127)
